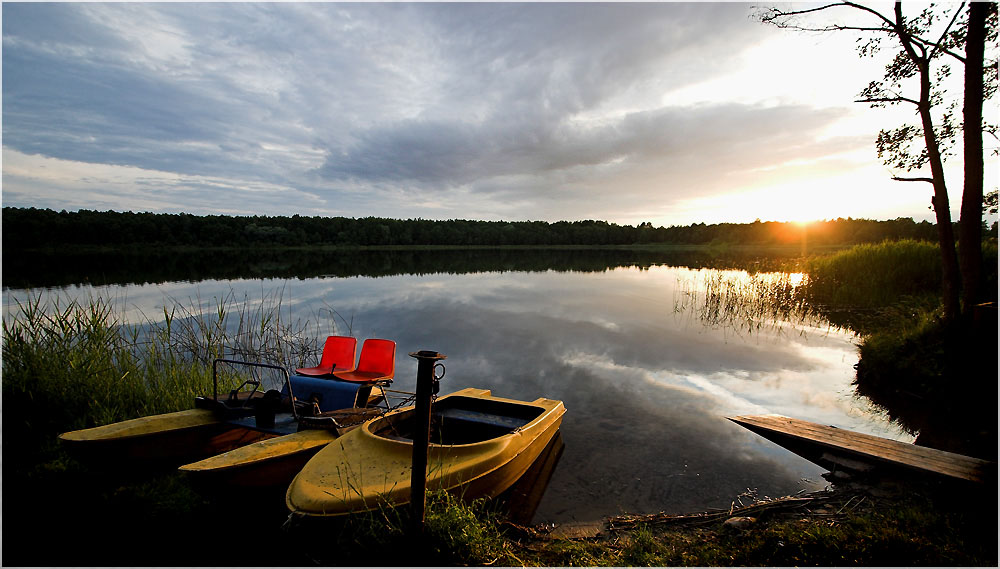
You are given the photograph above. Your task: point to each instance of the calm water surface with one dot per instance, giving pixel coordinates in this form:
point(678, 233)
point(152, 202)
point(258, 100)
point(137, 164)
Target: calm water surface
point(647, 388)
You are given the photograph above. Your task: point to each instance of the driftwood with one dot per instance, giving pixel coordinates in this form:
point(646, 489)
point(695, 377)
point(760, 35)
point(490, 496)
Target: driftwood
point(819, 504)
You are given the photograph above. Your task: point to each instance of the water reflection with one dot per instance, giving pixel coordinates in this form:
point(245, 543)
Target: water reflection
point(147, 265)
point(646, 388)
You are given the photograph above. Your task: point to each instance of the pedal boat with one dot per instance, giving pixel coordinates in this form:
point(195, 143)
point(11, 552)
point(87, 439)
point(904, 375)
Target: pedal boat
point(216, 424)
point(480, 446)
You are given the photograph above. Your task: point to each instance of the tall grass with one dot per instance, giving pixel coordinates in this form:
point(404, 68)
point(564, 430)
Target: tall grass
point(71, 364)
point(875, 275)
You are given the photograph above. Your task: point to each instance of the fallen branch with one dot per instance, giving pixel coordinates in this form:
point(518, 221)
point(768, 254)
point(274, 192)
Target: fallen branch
point(624, 522)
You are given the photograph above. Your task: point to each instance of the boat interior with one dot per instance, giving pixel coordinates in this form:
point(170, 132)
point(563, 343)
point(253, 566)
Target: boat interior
point(284, 411)
point(459, 420)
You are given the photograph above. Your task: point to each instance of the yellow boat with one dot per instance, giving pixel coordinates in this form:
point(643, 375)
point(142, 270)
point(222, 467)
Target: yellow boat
point(168, 438)
point(216, 424)
point(480, 445)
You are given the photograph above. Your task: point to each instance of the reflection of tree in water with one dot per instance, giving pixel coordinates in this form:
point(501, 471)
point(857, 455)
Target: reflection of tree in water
point(150, 265)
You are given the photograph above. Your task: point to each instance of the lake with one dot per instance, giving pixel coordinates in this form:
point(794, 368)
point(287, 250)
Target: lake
point(647, 383)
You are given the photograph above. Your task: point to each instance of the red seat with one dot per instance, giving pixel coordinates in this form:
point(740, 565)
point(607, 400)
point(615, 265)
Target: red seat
point(338, 355)
point(377, 364)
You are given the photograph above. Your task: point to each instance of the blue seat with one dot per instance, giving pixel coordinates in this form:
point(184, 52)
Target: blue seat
point(329, 394)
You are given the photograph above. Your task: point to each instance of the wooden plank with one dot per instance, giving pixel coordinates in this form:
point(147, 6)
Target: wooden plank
point(869, 447)
point(864, 443)
point(859, 441)
point(876, 447)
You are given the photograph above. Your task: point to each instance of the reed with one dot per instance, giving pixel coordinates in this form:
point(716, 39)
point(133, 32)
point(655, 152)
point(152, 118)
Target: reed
point(891, 285)
point(746, 302)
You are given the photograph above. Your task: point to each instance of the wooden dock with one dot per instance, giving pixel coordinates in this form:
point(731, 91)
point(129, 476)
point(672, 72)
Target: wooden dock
point(840, 449)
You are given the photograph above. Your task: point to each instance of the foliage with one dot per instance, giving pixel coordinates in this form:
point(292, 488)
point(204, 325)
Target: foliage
point(990, 203)
point(863, 288)
point(884, 286)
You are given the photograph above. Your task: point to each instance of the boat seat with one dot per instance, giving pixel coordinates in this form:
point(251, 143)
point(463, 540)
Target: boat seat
point(376, 368)
point(338, 355)
point(478, 418)
point(225, 409)
point(327, 393)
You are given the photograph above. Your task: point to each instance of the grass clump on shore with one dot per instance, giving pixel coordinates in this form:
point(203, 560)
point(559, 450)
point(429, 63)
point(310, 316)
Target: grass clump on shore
point(875, 286)
point(456, 532)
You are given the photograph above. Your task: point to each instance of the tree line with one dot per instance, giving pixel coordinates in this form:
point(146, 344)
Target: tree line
point(26, 229)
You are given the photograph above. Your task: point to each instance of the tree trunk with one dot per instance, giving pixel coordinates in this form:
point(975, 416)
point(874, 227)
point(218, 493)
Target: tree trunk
point(970, 233)
point(950, 284)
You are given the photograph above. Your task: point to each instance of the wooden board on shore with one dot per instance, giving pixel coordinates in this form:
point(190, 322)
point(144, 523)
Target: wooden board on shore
point(832, 447)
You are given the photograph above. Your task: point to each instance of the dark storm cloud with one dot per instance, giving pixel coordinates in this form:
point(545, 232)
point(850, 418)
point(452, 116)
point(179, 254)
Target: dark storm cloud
point(453, 153)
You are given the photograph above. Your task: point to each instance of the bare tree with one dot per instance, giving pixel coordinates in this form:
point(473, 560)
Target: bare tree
point(923, 58)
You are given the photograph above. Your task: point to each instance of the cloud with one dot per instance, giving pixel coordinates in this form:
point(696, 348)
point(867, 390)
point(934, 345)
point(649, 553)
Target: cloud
point(485, 110)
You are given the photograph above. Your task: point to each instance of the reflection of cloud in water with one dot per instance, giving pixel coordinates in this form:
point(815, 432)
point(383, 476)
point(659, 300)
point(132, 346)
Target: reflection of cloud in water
point(714, 395)
point(646, 392)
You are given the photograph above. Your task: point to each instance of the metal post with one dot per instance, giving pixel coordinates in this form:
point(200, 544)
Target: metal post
point(426, 359)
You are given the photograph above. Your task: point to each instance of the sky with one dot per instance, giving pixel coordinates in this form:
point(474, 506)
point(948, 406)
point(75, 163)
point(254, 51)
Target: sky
point(668, 113)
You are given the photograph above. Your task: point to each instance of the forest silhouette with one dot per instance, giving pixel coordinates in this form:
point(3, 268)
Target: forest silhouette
point(26, 229)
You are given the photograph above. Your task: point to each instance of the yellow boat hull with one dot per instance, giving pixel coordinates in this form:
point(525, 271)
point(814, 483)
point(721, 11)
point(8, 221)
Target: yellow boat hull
point(177, 437)
point(366, 468)
point(263, 464)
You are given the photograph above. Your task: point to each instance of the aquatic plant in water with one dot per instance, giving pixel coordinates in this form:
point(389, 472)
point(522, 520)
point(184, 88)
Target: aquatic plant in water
point(748, 302)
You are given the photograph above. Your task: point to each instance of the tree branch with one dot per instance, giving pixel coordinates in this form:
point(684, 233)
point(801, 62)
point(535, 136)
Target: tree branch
point(906, 39)
point(940, 43)
point(889, 100)
point(890, 26)
point(899, 179)
point(776, 13)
